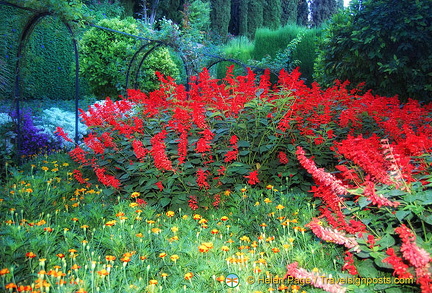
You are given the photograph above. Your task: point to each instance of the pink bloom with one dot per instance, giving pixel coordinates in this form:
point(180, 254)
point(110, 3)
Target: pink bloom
point(317, 280)
point(377, 199)
point(332, 235)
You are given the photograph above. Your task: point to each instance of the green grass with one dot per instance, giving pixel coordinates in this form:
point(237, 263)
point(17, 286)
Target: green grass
point(72, 229)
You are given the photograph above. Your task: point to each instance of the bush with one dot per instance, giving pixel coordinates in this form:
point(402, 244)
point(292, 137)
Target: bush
point(385, 44)
point(105, 57)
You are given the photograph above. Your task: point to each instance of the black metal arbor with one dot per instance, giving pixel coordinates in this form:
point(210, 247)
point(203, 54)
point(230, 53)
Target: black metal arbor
point(150, 46)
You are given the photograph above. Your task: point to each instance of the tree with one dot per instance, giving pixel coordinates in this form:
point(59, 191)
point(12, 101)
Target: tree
point(255, 16)
point(272, 12)
point(289, 11)
point(302, 12)
point(322, 10)
point(220, 17)
point(385, 43)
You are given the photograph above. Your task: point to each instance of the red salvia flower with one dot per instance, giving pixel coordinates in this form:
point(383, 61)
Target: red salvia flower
point(400, 268)
point(349, 264)
point(283, 158)
point(252, 177)
point(158, 152)
point(202, 179)
point(193, 202)
point(159, 185)
point(139, 150)
point(105, 179)
point(78, 155)
point(62, 134)
point(79, 177)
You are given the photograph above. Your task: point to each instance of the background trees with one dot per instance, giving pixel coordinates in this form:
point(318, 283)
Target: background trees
point(387, 44)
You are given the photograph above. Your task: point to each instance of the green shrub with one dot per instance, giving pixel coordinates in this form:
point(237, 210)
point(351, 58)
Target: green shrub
point(386, 44)
point(238, 49)
point(306, 53)
point(105, 57)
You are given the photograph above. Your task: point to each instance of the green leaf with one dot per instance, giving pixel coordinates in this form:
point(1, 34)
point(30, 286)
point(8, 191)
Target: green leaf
point(386, 241)
point(400, 215)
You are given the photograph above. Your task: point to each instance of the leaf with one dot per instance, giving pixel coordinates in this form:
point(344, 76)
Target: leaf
point(367, 269)
point(386, 241)
point(363, 201)
point(400, 215)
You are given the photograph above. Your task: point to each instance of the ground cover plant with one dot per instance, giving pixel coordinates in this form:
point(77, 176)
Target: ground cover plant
point(175, 189)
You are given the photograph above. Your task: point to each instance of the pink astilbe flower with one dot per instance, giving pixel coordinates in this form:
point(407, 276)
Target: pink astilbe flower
point(333, 235)
point(377, 199)
point(316, 279)
point(319, 174)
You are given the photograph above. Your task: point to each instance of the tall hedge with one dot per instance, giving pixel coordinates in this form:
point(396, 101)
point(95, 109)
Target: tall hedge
point(387, 44)
point(220, 17)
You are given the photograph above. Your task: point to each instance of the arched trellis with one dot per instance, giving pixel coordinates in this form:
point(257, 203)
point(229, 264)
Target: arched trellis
point(154, 44)
point(25, 34)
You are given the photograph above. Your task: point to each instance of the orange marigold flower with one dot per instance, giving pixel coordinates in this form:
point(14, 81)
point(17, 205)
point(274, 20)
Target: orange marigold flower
point(188, 276)
point(30, 254)
point(153, 282)
point(110, 223)
point(280, 207)
point(275, 249)
point(4, 271)
point(75, 267)
point(143, 257)
point(110, 258)
point(220, 279)
point(214, 231)
point(174, 257)
point(11, 286)
point(103, 273)
point(170, 214)
point(162, 254)
point(225, 248)
point(196, 217)
point(135, 194)
point(224, 218)
point(156, 230)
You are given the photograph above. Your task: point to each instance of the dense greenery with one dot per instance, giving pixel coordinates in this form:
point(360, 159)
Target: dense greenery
point(386, 44)
point(105, 57)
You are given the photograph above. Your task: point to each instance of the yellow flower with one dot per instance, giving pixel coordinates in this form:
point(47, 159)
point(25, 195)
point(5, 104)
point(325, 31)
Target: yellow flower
point(162, 254)
point(170, 214)
point(153, 282)
point(156, 230)
point(103, 273)
point(269, 186)
point(188, 276)
point(224, 218)
point(267, 200)
point(227, 192)
point(135, 194)
point(280, 207)
point(174, 257)
point(174, 229)
point(45, 168)
point(225, 248)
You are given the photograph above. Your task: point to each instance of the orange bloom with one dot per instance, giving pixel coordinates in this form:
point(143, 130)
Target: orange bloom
point(4, 271)
point(214, 231)
point(224, 218)
point(275, 249)
point(110, 258)
point(103, 273)
point(30, 254)
point(11, 286)
point(135, 194)
point(170, 214)
point(174, 257)
point(220, 279)
point(162, 254)
point(153, 282)
point(188, 276)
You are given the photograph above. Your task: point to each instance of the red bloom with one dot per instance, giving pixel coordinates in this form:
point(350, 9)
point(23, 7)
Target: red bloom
point(252, 177)
point(78, 176)
point(400, 268)
point(349, 264)
point(283, 159)
point(141, 202)
point(202, 179)
point(78, 155)
point(106, 179)
point(203, 144)
point(159, 185)
point(193, 202)
point(62, 134)
point(139, 150)
point(158, 152)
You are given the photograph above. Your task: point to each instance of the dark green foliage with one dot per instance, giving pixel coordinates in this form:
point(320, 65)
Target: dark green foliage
point(272, 12)
point(220, 17)
point(306, 52)
point(386, 44)
point(269, 42)
point(302, 12)
point(289, 12)
point(322, 10)
point(255, 17)
point(105, 57)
